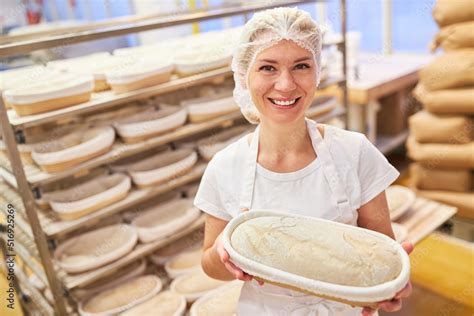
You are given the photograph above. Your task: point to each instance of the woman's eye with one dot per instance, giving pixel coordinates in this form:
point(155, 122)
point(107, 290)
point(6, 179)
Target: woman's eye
point(267, 68)
point(302, 66)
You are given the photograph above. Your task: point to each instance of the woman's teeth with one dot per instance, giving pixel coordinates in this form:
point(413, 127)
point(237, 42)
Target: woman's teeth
point(283, 103)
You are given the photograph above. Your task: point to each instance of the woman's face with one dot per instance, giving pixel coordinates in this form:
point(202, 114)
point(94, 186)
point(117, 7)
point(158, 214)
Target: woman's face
point(282, 82)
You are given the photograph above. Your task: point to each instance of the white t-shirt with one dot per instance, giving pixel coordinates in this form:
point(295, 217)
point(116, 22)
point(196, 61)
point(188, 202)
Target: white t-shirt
point(364, 171)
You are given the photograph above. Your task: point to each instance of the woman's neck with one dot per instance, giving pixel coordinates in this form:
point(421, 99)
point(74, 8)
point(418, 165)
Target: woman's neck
point(278, 142)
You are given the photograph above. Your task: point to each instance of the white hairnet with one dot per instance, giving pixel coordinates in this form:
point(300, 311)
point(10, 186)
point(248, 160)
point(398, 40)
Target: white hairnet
point(263, 30)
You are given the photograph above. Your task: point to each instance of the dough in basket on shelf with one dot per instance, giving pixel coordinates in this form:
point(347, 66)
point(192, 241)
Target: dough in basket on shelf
point(194, 284)
point(96, 64)
point(186, 262)
point(96, 248)
point(160, 168)
point(321, 105)
point(90, 196)
point(129, 272)
point(56, 92)
point(191, 62)
point(122, 297)
point(151, 123)
point(399, 199)
point(400, 232)
point(72, 149)
point(136, 74)
point(165, 303)
point(210, 145)
point(355, 265)
point(205, 108)
point(164, 219)
point(18, 77)
point(183, 245)
point(219, 302)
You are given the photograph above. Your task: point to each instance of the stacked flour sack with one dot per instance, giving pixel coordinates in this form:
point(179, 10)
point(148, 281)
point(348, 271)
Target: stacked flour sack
point(441, 141)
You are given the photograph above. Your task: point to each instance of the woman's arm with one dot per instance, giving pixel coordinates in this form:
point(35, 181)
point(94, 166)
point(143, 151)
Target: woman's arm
point(215, 260)
point(375, 215)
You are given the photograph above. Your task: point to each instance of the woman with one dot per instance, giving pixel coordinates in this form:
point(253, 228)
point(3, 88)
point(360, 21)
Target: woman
point(289, 163)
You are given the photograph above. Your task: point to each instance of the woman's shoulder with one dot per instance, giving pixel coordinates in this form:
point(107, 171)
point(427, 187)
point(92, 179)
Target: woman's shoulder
point(344, 143)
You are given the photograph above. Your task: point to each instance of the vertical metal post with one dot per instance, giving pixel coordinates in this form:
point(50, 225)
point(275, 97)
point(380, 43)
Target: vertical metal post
point(387, 45)
point(345, 95)
point(29, 204)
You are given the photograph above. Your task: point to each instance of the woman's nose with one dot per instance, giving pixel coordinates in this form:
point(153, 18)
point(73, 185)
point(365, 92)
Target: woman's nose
point(285, 82)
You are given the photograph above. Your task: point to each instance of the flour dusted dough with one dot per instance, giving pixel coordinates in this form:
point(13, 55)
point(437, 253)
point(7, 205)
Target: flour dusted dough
point(202, 109)
point(186, 262)
point(165, 219)
point(141, 126)
point(52, 93)
point(122, 297)
point(166, 303)
point(90, 196)
point(318, 256)
point(162, 167)
point(194, 285)
point(74, 148)
point(219, 302)
point(96, 248)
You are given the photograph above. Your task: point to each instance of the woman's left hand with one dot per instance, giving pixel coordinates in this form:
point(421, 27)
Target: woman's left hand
point(394, 304)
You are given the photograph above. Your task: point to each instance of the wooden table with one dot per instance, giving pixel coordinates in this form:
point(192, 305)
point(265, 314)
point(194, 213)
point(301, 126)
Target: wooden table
point(424, 217)
point(380, 76)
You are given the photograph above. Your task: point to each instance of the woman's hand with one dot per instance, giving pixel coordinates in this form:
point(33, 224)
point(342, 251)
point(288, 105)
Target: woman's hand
point(225, 259)
point(394, 304)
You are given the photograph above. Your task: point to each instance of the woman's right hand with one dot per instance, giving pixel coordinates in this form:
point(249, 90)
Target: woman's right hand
point(225, 259)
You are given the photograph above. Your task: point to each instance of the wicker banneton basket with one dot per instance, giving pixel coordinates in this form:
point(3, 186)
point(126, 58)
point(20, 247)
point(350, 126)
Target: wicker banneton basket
point(202, 109)
point(188, 243)
point(90, 196)
point(59, 91)
point(355, 265)
point(209, 146)
point(186, 262)
point(162, 167)
point(122, 297)
point(165, 219)
point(321, 105)
point(72, 149)
point(96, 248)
point(142, 126)
point(219, 302)
point(127, 273)
point(399, 199)
point(193, 285)
point(191, 63)
point(165, 303)
point(137, 75)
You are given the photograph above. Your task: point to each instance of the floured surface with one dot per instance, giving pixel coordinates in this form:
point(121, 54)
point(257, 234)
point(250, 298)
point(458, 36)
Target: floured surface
point(164, 304)
point(317, 251)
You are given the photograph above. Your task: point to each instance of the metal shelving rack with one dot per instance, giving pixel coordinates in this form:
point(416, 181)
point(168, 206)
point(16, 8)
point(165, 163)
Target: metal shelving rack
point(37, 233)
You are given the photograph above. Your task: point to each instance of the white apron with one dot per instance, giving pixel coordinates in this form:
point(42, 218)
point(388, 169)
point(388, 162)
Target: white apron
point(274, 300)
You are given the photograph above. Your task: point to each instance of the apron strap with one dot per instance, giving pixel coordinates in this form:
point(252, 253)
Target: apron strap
point(330, 172)
point(246, 195)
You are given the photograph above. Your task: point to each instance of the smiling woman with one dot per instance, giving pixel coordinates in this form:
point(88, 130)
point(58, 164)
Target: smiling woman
point(290, 164)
